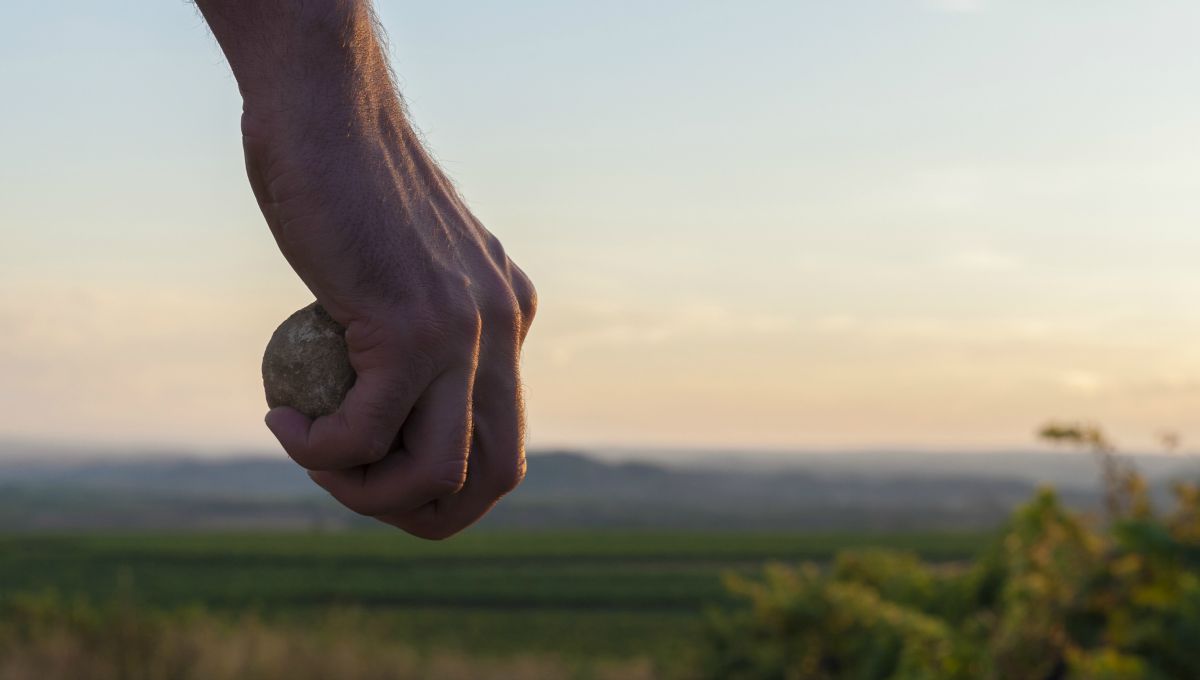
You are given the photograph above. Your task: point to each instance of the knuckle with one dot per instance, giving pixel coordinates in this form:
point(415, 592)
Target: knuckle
point(320, 459)
point(448, 477)
point(494, 247)
point(508, 478)
point(373, 450)
point(448, 323)
point(372, 443)
point(501, 310)
point(356, 441)
point(527, 298)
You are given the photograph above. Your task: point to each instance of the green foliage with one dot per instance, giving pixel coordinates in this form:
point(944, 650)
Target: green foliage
point(579, 596)
point(1052, 597)
point(804, 624)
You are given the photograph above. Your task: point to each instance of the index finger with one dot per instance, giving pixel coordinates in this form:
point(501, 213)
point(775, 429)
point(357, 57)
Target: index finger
point(363, 428)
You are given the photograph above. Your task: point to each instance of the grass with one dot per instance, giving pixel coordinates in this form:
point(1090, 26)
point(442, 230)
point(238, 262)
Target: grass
point(576, 595)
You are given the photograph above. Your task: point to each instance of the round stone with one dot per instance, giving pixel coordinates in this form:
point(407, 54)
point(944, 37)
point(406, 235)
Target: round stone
point(306, 365)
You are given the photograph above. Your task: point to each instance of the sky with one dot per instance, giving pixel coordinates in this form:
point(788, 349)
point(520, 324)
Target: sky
point(770, 224)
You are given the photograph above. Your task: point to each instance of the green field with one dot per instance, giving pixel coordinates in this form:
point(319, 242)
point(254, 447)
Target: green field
point(581, 595)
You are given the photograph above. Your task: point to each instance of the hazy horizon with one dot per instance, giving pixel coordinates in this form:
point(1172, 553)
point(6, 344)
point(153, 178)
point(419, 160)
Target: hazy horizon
point(20, 448)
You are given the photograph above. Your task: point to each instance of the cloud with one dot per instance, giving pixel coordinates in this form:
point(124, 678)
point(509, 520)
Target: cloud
point(607, 325)
point(1085, 383)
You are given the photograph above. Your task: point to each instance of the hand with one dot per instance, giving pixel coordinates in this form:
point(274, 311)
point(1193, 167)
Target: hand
point(432, 433)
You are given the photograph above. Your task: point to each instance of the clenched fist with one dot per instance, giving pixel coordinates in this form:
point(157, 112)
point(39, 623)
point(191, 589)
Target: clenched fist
point(431, 434)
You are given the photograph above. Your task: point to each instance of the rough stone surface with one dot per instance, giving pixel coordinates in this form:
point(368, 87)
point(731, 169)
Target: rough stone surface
point(306, 365)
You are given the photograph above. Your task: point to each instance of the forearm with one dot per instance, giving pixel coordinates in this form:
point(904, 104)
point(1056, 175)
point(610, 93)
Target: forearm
point(275, 46)
point(317, 69)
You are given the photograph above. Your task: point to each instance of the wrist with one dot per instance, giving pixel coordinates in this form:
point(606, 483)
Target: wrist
point(277, 46)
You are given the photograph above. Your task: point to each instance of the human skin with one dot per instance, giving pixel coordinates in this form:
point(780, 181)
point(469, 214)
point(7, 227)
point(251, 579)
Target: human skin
point(432, 433)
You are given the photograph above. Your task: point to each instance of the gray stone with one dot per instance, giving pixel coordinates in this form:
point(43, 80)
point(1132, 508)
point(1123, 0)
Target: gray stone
point(306, 365)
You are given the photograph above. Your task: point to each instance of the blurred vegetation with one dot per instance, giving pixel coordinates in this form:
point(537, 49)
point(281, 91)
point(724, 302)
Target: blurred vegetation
point(47, 638)
point(1056, 595)
point(577, 602)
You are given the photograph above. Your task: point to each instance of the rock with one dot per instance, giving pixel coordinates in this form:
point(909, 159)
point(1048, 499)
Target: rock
point(306, 365)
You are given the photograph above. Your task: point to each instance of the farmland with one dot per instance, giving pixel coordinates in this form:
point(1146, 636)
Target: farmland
point(581, 595)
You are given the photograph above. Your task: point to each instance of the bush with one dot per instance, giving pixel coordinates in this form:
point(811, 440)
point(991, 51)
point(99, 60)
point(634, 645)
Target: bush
point(1051, 598)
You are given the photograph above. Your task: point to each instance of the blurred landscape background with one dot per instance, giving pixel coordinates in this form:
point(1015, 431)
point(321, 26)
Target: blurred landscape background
point(941, 565)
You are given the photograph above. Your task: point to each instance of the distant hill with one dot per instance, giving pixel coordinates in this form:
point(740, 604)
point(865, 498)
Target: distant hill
point(1061, 468)
point(55, 490)
point(571, 489)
